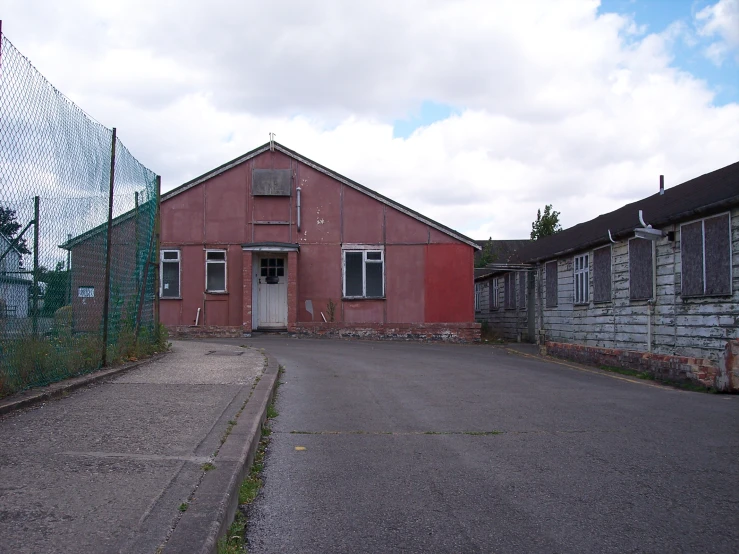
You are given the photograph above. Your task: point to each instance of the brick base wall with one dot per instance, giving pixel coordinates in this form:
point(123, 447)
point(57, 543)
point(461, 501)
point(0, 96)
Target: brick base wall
point(670, 368)
point(204, 331)
point(447, 332)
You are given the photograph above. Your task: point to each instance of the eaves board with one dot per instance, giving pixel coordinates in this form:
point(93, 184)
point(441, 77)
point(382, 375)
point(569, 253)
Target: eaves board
point(326, 171)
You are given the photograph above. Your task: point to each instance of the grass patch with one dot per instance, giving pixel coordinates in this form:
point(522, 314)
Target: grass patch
point(683, 385)
point(234, 542)
point(207, 466)
point(482, 433)
point(272, 412)
point(29, 361)
point(183, 507)
point(630, 372)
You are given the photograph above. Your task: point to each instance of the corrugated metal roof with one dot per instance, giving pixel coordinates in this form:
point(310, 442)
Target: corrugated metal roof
point(709, 193)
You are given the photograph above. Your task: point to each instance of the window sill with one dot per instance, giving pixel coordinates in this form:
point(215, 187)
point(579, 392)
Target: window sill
point(582, 305)
point(216, 292)
point(701, 296)
point(360, 298)
point(599, 302)
point(170, 298)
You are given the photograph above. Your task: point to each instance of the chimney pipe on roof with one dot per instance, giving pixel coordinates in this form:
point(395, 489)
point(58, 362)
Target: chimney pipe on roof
point(661, 184)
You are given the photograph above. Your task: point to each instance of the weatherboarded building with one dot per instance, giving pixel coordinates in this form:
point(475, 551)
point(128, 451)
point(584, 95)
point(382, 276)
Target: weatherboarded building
point(273, 240)
point(653, 285)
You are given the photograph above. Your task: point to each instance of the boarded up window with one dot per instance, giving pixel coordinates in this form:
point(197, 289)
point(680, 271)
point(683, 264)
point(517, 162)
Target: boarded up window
point(718, 255)
point(510, 291)
point(602, 274)
point(691, 247)
point(521, 290)
point(640, 269)
point(271, 182)
point(552, 284)
point(706, 256)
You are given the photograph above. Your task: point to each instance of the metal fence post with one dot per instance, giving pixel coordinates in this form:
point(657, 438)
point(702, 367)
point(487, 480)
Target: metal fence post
point(106, 297)
point(34, 313)
point(157, 232)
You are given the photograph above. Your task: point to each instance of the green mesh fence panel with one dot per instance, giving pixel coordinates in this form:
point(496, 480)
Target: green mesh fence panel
point(55, 160)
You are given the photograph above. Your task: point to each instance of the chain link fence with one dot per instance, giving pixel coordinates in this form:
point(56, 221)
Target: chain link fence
point(78, 249)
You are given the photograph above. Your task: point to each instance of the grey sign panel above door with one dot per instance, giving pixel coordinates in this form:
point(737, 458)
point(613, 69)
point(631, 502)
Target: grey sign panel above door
point(271, 182)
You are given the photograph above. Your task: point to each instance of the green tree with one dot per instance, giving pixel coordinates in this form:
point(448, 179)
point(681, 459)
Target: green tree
point(9, 227)
point(546, 224)
point(487, 256)
point(57, 287)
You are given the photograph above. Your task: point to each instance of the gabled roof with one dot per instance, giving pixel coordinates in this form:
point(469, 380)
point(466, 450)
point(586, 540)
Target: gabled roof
point(481, 272)
point(318, 167)
point(505, 251)
point(74, 241)
point(704, 195)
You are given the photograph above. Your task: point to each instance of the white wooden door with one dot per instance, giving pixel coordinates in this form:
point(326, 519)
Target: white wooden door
point(272, 293)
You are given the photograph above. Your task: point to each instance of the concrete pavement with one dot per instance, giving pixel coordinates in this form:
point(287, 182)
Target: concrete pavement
point(109, 467)
point(446, 448)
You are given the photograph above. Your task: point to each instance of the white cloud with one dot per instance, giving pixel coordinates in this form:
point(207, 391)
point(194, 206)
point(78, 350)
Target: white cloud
point(555, 103)
point(722, 20)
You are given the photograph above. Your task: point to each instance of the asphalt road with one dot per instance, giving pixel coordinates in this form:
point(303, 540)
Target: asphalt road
point(445, 448)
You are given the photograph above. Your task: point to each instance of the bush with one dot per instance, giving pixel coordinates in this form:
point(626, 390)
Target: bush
point(36, 361)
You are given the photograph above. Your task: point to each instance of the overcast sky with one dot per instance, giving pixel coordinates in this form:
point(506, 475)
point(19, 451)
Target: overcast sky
point(474, 112)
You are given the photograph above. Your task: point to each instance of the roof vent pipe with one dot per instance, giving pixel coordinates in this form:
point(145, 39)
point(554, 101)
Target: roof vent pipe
point(661, 184)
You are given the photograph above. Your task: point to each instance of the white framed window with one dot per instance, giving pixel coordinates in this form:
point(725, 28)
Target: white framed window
point(494, 300)
point(582, 279)
point(86, 292)
point(169, 270)
point(478, 296)
point(215, 270)
point(364, 273)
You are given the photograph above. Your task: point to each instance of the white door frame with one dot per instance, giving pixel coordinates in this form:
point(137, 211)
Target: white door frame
point(256, 276)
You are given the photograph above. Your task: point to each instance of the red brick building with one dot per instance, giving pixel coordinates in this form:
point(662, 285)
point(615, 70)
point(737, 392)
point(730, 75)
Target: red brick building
point(273, 240)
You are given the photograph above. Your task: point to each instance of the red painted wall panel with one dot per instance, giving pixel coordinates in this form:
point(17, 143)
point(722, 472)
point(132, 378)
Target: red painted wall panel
point(319, 280)
point(182, 217)
point(363, 218)
point(192, 285)
point(364, 311)
point(272, 208)
point(225, 202)
point(403, 229)
point(272, 160)
point(449, 283)
point(320, 207)
point(437, 237)
point(170, 312)
point(271, 233)
point(404, 283)
point(216, 310)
